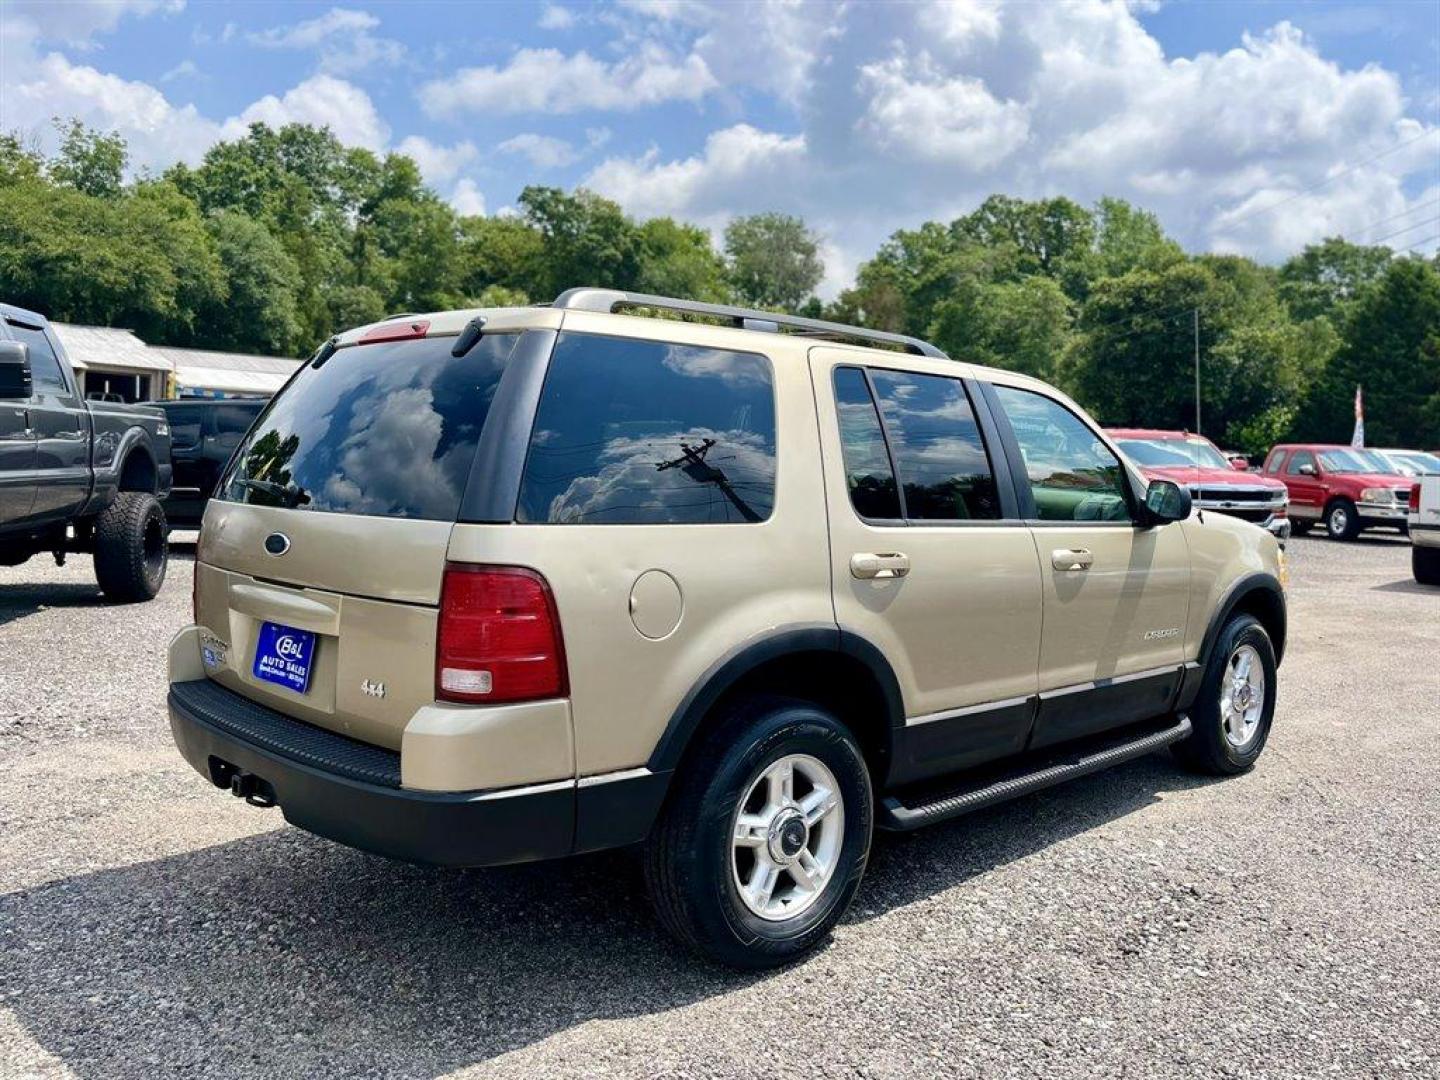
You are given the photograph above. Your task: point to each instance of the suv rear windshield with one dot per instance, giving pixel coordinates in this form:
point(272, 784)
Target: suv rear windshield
point(387, 429)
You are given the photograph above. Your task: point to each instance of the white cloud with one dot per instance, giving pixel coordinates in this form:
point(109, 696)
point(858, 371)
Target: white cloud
point(325, 100)
point(466, 198)
point(438, 164)
point(548, 81)
point(183, 70)
point(342, 37)
point(543, 151)
point(76, 24)
point(918, 112)
point(555, 17)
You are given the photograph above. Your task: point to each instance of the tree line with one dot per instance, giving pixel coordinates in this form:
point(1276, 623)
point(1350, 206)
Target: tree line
point(279, 238)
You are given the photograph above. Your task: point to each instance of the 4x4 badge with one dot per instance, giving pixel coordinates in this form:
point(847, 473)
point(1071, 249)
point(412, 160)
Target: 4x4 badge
point(374, 689)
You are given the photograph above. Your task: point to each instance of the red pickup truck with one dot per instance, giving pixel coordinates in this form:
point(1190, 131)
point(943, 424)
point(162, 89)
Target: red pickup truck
point(1215, 482)
point(1342, 487)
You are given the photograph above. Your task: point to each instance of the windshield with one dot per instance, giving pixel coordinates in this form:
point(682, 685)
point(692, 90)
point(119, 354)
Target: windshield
point(387, 429)
point(1175, 453)
point(1354, 461)
point(1414, 462)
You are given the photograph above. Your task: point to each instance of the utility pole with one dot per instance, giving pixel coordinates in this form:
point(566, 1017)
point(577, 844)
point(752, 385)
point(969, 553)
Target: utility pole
point(1197, 370)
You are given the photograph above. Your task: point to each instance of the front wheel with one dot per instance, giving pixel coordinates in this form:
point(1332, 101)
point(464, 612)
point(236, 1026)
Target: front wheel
point(131, 548)
point(1342, 520)
point(765, 839)
point(1425, 563)
point(1232, 715)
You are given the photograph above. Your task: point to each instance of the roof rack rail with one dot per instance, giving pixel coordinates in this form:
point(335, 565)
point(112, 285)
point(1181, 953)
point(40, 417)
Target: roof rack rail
point(609, 300)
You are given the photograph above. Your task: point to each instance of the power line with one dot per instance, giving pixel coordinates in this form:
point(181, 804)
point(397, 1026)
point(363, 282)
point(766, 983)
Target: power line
point(1403, 213)
point(1408, 228)
point(1329, 179)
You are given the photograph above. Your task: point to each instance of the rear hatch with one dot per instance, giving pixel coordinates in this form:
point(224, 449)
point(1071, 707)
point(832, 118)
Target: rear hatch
point(320, 562)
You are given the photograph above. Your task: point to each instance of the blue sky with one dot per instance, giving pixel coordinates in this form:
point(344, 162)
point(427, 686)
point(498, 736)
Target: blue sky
point(1252, 127)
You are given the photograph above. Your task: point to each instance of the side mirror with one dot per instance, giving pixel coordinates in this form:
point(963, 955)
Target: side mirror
point(1239, 464)
point(1307, 470)
point(15, 382)
point(1166, 501)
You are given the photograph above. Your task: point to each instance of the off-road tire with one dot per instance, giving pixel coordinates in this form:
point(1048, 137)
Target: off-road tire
point(688, 857)
point(1425, 564)
point(1351, 528)
point(1206, 749)
point(130, 548)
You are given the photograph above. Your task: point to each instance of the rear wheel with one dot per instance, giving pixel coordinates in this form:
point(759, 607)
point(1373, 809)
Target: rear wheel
point(130, 547)
point(764, 842)
point(1425, 563)
point(1232, 715)
point(1342, 521)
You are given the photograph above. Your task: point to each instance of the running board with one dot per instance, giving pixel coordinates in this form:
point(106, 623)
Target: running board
point(896, 815)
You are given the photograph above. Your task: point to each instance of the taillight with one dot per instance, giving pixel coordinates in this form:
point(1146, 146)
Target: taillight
point(499, 637)
point(1415, 497)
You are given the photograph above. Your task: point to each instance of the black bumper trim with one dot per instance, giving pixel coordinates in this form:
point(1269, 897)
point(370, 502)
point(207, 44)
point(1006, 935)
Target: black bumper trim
point(472, 828)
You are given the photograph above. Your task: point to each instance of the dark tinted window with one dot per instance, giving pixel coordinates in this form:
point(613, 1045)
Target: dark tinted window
point(1073, 475)
point(938, 451)
point(186, 424)
point(639, 432)
point(867, 464)
point(232, 419)
point(44, 364)
point(387, 429)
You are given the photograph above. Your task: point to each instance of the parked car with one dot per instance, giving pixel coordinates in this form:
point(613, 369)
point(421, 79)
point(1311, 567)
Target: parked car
point(490, 586)
point(1412, 462)
point(1215, 481)
point(1424, 522)
point(203, 435)
point(1345, 488)
point(77, 475)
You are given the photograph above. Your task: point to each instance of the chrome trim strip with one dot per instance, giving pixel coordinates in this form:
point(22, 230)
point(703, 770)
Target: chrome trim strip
point(611, 777)
point(528, 789)
point(1113, 680)
point(968, 710)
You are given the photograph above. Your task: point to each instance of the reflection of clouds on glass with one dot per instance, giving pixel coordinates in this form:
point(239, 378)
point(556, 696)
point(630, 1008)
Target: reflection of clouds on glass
point(733, 369)
point(630, 486)
point(391, 443)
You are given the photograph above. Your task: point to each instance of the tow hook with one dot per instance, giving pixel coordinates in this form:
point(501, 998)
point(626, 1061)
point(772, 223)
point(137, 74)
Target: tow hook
point(252, 789)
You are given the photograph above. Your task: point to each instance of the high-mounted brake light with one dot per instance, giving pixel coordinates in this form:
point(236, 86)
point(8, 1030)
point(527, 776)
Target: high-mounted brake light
point(399, 330)
point(499, 637)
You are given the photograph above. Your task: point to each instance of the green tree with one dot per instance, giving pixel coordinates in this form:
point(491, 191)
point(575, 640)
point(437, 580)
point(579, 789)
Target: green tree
point(678, 260)
point(91, 162)
point(1390, 348)
point(1128, 238)
point(774, 260)
point(586, 240)
point(258, 312)
point(1020, 325)
point(19, 163)
point(505, 252)
point(1326, 278)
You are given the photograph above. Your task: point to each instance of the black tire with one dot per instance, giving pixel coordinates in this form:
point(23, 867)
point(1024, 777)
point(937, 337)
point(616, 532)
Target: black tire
point(1342, 520)
point(1208, 749)
point(1298, 527)
point(690, 867)
point(1425, 564)
point(131, 548)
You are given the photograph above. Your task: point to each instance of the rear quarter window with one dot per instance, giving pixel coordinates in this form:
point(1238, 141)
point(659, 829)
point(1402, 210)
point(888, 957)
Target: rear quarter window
point(642, 432)
point(386, 429)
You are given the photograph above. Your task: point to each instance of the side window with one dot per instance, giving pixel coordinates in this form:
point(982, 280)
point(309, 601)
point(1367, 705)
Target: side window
point(1073, 475)
point(185, 425)
point(1277, 458)
point(944, 472)
point(868, 474)
point(1300, 457)
point(641, 432)
point(232, 420)
point(44, 364)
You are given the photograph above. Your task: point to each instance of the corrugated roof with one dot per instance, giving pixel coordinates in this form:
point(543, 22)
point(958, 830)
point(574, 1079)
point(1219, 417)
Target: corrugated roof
point(226, 361)
point(108, 346)
point(228, 381)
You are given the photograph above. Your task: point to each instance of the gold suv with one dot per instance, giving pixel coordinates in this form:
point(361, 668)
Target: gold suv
point(481, 587)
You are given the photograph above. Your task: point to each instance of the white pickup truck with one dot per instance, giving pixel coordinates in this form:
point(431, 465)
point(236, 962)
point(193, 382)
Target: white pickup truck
point(1424, 523)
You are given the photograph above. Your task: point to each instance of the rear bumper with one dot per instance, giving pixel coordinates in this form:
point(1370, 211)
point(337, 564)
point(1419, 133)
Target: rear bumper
point(350, 792)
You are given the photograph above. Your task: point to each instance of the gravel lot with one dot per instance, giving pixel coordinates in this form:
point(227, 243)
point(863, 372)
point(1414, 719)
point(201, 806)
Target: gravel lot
point(1138, 923)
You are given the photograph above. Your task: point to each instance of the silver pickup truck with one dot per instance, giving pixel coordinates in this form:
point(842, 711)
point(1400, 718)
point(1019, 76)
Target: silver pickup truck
point(77, 475)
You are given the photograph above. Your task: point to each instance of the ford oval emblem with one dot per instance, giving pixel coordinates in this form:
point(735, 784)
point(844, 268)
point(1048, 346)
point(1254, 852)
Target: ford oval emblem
point(277, 543)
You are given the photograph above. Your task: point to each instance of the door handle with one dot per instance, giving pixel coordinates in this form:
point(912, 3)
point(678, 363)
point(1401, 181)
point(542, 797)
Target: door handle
point(891, 564)
point(1071, 559)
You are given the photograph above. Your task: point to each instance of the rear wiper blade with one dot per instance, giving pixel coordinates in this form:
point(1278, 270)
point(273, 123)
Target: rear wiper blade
point(288, 494)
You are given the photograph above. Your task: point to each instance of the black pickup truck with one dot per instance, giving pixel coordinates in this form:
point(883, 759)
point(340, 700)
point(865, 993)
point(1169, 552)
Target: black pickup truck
point(77, 475)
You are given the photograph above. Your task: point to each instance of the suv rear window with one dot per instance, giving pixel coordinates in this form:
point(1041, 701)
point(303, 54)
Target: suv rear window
point(644, 432)
point(387, 429)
